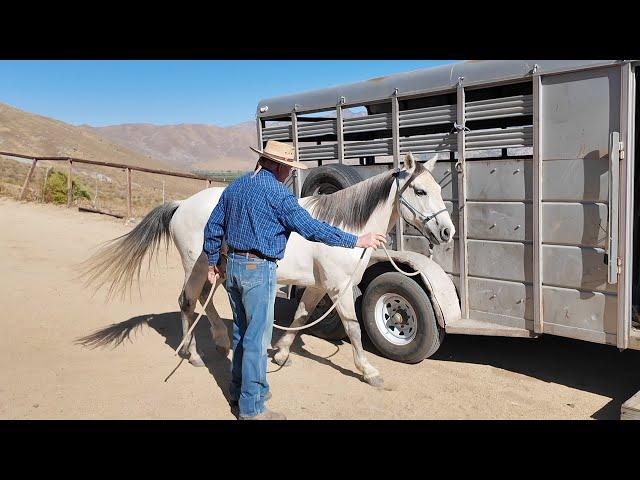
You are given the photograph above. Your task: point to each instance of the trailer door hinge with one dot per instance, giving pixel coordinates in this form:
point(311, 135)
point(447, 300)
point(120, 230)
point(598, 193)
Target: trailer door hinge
point(621, 148)
point(619, 264)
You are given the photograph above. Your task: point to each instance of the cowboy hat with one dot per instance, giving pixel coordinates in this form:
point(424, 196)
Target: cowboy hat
point(281, 153)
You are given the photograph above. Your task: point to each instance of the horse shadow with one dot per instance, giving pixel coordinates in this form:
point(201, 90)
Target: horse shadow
point(169, 326)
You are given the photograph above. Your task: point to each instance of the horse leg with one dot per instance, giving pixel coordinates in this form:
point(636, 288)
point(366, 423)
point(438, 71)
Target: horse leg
point(347, 311)
point(187, 301)
point(218, 328)
point(310, 299)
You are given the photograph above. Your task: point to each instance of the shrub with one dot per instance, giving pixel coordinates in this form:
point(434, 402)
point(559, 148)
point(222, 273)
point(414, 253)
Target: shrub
point(56, 188)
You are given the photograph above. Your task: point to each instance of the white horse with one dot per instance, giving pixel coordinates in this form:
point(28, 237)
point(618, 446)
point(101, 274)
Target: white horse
point(371, 205)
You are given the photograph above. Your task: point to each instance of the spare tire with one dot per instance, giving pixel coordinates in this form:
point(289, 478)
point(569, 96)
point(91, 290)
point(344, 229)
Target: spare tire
point(328, 179)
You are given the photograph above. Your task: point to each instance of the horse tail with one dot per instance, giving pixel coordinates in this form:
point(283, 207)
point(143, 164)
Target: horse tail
point(118, 261)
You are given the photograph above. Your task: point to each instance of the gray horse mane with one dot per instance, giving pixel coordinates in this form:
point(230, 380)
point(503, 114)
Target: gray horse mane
point(352, 207)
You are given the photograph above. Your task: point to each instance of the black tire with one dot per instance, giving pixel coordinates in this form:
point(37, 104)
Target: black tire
point(328, 179)
point(330, 328)
point(428, 334)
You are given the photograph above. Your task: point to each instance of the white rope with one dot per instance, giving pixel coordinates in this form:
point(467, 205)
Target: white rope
point(346, 289)
point(204, 305)
point(396, 266)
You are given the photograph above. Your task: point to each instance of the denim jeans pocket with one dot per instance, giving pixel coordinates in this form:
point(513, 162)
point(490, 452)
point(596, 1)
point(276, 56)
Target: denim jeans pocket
point(252, 273)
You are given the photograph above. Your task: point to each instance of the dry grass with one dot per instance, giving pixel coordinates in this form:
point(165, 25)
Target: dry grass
point(107, 186)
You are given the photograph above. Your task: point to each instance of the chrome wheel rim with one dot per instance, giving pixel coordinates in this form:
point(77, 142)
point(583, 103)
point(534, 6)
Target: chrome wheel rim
point(396, 319)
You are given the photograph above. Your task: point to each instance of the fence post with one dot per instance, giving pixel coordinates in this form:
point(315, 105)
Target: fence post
point(128, 193)
point(69, 186)
point(28, 179)
point(44, 184)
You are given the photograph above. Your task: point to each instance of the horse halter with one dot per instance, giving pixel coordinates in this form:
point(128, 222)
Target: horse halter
point(406, 203)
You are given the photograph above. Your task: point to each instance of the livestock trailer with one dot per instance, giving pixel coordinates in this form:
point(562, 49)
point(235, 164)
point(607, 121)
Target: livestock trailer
point(536, 163)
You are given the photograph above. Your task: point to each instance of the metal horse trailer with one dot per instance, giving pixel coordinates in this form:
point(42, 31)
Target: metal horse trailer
point(536, 162)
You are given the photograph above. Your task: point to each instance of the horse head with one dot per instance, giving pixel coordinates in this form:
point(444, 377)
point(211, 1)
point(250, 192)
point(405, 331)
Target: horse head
point(420, 201)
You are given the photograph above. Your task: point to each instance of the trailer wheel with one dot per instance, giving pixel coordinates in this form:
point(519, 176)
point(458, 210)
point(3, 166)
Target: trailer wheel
point(328, 179)
point(399, 319)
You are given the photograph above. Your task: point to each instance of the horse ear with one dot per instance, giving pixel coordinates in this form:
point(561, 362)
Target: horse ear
point(409, 163)
point(430, 165)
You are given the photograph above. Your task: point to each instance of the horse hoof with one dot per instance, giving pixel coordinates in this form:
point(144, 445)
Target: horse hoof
point(282, 360)
point(376, 381)
point(196, 361)
point(224, 351)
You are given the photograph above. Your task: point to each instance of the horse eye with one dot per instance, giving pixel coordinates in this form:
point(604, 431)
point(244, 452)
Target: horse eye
point(420, 193)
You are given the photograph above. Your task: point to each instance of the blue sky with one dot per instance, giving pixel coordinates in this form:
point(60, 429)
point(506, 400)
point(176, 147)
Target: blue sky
point(164, 92)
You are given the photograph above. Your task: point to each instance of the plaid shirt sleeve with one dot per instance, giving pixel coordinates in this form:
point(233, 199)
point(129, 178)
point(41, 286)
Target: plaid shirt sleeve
point(214, 232)
point(297, 219)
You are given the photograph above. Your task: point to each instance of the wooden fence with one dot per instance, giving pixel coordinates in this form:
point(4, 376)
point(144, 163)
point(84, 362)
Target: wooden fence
point(71, 160)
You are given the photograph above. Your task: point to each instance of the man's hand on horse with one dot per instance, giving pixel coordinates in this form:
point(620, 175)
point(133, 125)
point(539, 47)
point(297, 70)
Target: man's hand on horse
point(214, 273)
point(371, 240)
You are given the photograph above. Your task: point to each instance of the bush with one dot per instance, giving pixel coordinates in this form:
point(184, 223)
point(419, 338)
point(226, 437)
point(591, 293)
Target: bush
point(56, 188)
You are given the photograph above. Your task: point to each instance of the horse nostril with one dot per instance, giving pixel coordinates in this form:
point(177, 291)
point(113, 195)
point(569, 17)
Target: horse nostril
point(445, 233)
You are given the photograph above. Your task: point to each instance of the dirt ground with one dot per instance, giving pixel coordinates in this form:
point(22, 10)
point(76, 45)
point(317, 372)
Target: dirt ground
point(47, 376)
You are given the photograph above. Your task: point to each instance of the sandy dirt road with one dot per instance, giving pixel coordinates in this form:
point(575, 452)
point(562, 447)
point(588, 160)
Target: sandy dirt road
point(46, 376)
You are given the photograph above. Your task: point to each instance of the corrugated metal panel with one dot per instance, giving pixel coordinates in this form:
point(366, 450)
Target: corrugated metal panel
point(370, 123)
point(500, 138)
point(436, 142)
point(499, 108)
point(317, 152)
point(427, 116)
point(423, 81)
point(368, 148)
point(317, 129)
point(276, 133)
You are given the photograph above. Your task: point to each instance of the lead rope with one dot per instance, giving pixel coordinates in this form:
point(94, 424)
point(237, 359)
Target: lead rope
point(304, 327)
point(290, 329)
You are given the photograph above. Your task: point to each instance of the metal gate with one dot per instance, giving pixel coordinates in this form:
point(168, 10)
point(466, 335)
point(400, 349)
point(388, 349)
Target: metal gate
point(579, 154)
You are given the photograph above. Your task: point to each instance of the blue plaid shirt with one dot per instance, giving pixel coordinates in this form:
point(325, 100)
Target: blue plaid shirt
point(259, 214)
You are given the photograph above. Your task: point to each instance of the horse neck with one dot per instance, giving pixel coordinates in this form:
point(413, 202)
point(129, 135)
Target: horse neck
point(384, 218)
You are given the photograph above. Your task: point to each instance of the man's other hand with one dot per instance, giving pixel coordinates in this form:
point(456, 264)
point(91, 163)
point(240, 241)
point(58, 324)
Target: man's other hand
point(371, 240)
point(213, 274)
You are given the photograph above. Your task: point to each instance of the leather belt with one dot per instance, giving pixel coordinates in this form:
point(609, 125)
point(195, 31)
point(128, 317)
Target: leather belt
point(251, 254)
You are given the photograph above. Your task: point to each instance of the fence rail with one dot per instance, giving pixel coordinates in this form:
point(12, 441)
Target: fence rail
point(71, 160)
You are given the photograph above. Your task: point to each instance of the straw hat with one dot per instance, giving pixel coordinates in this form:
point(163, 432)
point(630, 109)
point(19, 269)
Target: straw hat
point(281, 153)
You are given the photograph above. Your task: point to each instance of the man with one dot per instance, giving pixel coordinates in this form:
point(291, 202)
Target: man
point(256, 214)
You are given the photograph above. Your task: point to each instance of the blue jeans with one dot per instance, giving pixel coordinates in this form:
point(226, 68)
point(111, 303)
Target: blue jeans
point(251, 285)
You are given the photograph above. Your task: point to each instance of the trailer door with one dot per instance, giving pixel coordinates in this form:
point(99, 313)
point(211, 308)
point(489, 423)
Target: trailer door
point(579, 149)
